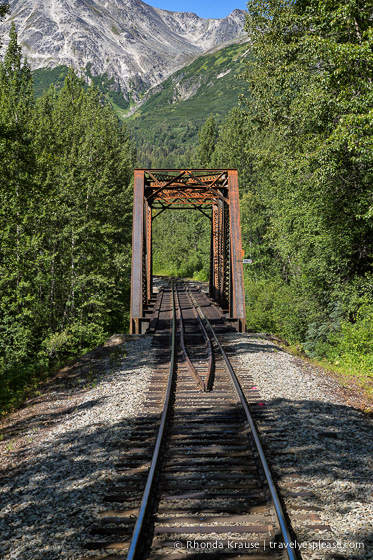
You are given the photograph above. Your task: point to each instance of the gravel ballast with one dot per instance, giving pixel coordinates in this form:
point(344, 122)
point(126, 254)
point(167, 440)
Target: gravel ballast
point(314, 438)
point(55, 470)
point(58, 454)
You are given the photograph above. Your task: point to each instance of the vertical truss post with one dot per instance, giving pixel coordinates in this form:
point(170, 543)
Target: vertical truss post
point(149, 261)
point(219, 264)
point(225, 258)
point(211, 275)
point(220, 250)
point(237, 299)
point(137, 280)
point(144, 275)
point(214, 270)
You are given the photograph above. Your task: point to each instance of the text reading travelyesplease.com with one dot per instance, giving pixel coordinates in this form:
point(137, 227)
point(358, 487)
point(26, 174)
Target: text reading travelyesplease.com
point(266, 545)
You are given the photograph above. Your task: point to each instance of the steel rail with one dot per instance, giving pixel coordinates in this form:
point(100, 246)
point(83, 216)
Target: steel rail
point(211, 363)
point(190, 366)
point(276, 501)
point(144, 507)
point(157, 310)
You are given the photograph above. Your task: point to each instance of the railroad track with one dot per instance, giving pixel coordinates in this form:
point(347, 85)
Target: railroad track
point(193, 480)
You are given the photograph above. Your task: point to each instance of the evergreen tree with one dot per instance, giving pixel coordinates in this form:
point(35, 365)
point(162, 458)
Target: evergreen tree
point(207, 141)
point(88, 156)
point(18, 241)
point(65, 222)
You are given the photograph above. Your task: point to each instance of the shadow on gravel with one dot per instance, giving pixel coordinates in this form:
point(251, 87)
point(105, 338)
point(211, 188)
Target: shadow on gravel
point(328, 444)
point(52, 504)
point(331, 446)
point(55, 483)
point(250, 346)
point(85, 375)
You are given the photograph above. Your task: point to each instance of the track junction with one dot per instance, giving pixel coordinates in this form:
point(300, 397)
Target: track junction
point(195, 480)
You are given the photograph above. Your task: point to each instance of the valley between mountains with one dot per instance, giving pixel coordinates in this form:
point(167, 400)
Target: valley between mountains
point(132, 44)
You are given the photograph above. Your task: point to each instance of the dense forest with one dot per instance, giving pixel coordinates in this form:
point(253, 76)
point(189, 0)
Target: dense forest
point(65, 171)
point(303, 144)
point(302, 141)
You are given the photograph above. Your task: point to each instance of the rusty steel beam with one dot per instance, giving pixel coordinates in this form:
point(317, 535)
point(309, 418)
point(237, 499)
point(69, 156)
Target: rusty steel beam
point(226, 260)
point(215, 252)
point(149, 252)
point(161, 188)
point(194, 170)
point(237, 307)
point(137, 253)
point(220, 251)
point(219, 254)
point(189, 189)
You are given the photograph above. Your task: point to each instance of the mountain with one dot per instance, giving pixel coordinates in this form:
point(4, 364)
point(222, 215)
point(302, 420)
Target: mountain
point(128, 41)
point(166, 125)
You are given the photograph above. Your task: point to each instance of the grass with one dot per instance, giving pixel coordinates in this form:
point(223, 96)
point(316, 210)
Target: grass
point(353, 379)
point(350, 376)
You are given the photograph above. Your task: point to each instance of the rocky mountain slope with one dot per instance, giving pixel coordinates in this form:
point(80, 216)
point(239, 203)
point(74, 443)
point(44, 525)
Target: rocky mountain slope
point(137, 45)
point(166, 125)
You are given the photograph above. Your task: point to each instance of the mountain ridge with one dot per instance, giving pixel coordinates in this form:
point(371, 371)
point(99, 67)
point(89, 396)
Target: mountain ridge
point(135, 44)
point(165, 127)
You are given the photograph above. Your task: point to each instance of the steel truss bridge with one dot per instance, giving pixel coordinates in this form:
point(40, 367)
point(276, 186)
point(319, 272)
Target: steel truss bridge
point(214, 193)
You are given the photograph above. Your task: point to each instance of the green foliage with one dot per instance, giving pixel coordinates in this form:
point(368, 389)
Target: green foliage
point(76, 338)
point(181, 244)
point(109, 89)
point(207, 137)
point(17, 238)
point(165, 127)
point(65, 214)
point(302, 142)
point(45, 77)
point(4, 9)
point(355, 346)
point(303, 146)
point(275, 307)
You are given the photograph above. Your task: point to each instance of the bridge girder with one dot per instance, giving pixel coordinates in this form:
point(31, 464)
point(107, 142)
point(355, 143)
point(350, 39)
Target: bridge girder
point(205, 190)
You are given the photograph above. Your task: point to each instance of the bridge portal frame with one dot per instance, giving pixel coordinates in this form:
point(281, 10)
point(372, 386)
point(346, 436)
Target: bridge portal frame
point(214, 192)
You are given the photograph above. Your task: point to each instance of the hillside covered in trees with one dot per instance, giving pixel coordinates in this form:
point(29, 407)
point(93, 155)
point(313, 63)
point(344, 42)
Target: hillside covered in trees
point(165, 127)
point(301, 137)
point(65, 213)
point(302, 142)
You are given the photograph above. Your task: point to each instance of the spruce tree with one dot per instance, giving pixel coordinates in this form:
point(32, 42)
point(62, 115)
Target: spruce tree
point(65, 221)
point(18, 240)
point(88, 157)
point(207, 140)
